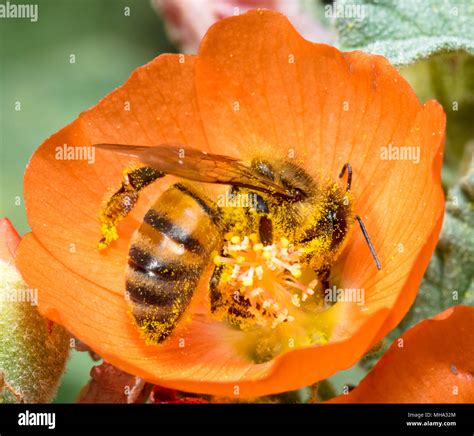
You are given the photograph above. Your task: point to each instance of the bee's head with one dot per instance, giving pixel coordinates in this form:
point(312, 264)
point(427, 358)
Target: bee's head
point(299, 185)
point(288, 212)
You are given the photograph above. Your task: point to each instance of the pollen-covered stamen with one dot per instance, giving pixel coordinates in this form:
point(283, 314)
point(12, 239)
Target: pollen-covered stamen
point(266, 278)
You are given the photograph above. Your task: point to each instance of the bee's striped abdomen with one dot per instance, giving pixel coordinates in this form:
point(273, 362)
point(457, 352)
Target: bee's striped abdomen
point(167, 255)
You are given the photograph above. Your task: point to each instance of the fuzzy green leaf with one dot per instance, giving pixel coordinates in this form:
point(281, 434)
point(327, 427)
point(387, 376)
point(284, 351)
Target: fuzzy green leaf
point(33, 352)
point(449, 78)
point(405, 31)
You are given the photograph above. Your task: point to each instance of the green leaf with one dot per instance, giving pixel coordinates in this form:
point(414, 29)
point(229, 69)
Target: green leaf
point(33, 352)
point(448, 78)
point(433, 44)
point(449, 278)
point(53, 69)
point(405, 31)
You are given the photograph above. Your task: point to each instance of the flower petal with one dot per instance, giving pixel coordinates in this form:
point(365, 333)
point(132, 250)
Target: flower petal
point(64, 196)
point(9, 240)
point(281, 106)
point(282, 96)
point(431, 363)
point(198, 357)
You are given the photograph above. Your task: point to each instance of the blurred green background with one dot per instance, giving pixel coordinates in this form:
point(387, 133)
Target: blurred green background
point(35, 70)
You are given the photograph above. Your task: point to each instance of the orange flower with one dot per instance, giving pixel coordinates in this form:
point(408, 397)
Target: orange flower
point(431, 363)
point(256, 87)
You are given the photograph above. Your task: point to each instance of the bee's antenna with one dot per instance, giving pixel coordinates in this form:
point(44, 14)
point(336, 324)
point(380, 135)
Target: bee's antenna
point(367, 239)
point(348, 167)
point(349, 175)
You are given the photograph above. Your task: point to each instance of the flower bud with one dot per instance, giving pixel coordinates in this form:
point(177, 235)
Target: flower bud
point(33, 351)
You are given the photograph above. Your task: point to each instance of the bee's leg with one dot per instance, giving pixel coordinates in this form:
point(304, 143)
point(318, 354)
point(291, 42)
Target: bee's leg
point(119, 205)
point(214, 293)
point(265, 230)
point(265, 225)
point(235, 307)
point(323, 276)
point(347, 167)
point(262, 221)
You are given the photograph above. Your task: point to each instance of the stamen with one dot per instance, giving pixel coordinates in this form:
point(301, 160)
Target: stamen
point(264, 277)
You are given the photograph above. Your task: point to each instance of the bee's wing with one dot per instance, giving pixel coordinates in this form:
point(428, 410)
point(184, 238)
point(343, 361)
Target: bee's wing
point(192, 164)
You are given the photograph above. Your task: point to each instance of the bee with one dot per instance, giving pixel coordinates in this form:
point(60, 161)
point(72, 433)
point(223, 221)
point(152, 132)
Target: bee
point(175, 243)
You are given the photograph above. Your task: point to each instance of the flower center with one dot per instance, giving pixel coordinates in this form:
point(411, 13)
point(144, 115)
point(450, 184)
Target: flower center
point(263, 285)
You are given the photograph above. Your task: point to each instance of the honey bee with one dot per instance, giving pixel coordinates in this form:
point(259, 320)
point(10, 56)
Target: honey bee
point(184, 228)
